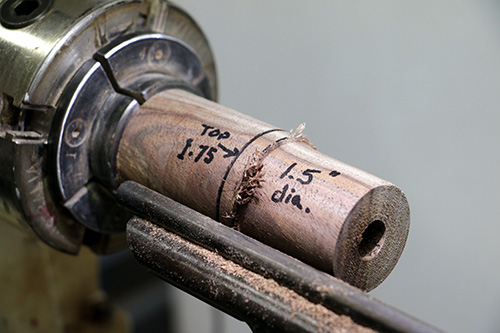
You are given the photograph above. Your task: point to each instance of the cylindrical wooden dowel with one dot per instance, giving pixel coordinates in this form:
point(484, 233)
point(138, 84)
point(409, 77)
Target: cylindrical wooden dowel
point(268, 183)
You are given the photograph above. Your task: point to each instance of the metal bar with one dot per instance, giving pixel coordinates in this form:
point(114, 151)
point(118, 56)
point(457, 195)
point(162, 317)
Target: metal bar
point(262, 303)
point(316, 286)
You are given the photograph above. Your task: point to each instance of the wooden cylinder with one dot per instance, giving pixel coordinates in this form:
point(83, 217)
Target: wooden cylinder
point(268, 183)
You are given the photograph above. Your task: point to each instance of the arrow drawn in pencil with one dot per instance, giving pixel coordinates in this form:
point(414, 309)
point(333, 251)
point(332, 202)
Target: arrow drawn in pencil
point(229, 152)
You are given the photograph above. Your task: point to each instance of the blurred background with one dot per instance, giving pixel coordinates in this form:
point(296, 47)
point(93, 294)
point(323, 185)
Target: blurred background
point(406, 90)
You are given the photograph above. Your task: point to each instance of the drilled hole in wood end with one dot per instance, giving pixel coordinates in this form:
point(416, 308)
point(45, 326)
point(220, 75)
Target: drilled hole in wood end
point(372, 240)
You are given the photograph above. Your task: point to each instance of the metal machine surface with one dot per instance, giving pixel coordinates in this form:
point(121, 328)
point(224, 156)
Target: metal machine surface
point(39, 61)
point(74, 74)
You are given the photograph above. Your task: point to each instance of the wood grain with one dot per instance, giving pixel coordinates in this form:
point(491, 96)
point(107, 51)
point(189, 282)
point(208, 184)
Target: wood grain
point(269, 183)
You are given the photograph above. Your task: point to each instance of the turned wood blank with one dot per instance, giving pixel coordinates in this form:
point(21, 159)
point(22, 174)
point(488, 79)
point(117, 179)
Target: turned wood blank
point(268, 183)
